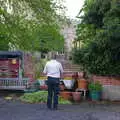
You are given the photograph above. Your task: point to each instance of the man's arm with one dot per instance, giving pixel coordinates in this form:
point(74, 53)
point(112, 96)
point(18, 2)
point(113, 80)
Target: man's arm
point(61, 71)
point(45, 70)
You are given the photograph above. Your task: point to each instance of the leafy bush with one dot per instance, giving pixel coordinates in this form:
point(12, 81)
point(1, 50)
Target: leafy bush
point(78, 55)
point(40, 97)
point(39, 66)
point(35, 97)
point(100, 53)
point(95, 86)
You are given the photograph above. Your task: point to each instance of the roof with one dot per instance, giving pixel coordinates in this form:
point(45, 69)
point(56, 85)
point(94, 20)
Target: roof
point(13, 54)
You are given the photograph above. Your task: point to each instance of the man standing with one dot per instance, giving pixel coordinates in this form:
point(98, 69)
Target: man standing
point(54, 70)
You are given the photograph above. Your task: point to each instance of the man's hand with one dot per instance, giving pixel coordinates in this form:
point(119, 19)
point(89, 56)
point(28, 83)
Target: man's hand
point(44, 74)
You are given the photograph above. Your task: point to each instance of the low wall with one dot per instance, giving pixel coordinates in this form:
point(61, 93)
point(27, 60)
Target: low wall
point(111, 92)
point(105, 80)
point(111, 87)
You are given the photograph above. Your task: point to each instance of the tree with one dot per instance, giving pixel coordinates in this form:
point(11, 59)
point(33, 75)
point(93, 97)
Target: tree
point(100, 32)
point(21, 24)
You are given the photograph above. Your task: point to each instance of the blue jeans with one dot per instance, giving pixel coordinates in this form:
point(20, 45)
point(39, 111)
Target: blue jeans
point(53, 91)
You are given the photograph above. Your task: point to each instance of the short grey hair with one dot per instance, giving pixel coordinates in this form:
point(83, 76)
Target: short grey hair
point(53, 56)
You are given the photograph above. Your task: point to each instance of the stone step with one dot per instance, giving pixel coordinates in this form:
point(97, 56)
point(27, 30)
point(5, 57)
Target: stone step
point(77, 68)
point(65, 71)
point(71, 65)
point(70, 69)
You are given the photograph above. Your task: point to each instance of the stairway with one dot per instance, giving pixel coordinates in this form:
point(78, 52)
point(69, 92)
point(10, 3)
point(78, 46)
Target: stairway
point(71, 72)
point(71, 68)
point(68, 66)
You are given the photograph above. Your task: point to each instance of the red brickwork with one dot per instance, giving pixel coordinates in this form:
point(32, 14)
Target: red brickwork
point(105, 80)
point(29, 66)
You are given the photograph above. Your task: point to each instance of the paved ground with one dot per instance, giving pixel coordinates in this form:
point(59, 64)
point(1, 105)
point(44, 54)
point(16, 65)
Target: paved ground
point(14, 110)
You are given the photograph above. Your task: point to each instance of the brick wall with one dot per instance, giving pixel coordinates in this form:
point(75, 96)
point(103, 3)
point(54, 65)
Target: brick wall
point(29, 70)
point(106, 80)
point(111, 87)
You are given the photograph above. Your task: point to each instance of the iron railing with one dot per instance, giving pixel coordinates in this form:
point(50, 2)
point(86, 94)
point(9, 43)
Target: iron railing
point(13, 83)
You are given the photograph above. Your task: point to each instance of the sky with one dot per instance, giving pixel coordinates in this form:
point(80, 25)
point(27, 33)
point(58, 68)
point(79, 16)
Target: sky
point(73, 7)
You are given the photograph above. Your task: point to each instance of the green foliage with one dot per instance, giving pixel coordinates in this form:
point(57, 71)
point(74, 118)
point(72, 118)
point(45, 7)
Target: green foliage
point(39, 97)
point(63, 101)
point(30, 25)
point(95, 86)
point(99, 32)
point(49, 37)
point(39, 66)
point(34, 97)
point(78, 55)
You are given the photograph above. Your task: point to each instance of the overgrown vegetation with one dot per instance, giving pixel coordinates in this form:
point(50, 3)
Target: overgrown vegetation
point(99, 33)
point(30, 25)
point(39, 97)
point(39, 66)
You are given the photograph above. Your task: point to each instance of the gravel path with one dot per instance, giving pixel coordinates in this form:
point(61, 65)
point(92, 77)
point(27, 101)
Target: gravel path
point(14, 110)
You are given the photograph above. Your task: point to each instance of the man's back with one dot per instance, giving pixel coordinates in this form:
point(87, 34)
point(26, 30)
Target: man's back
point(53, 69)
